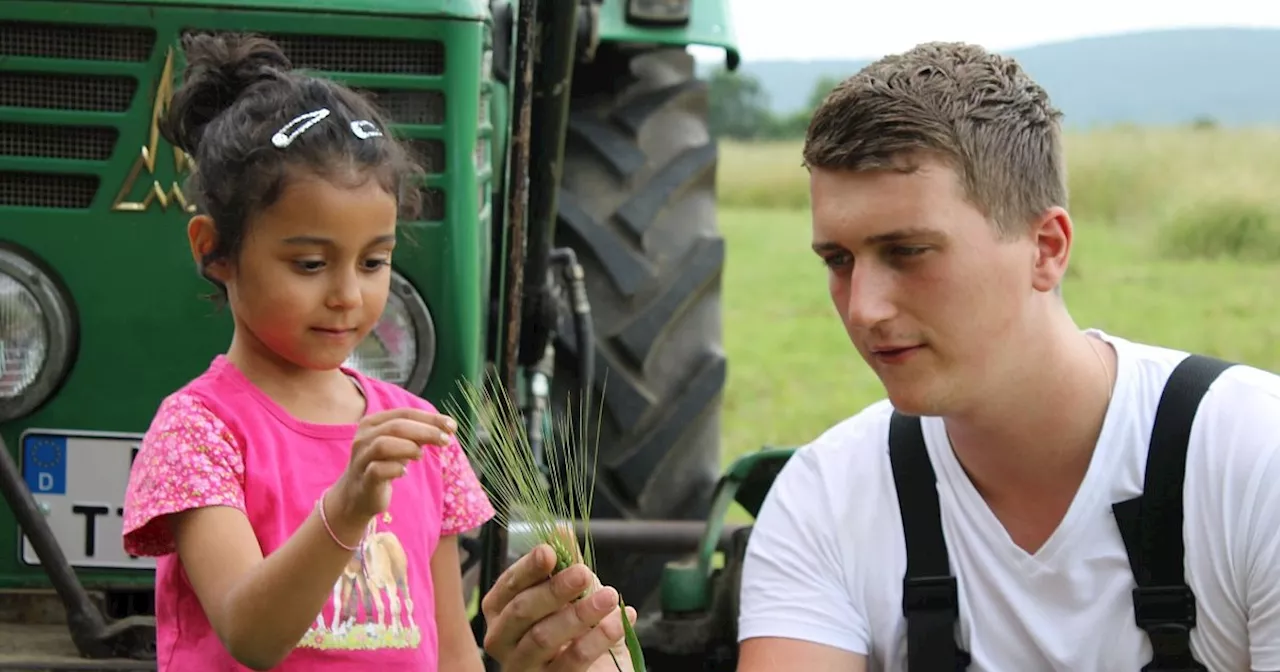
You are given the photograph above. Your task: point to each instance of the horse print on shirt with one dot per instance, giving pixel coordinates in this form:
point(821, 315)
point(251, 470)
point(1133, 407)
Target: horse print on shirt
point(371, 605)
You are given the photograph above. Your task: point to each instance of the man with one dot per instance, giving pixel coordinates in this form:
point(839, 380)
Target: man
point(939, 209)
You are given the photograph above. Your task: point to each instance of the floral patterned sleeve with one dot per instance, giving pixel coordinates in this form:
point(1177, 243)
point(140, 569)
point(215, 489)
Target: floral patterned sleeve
point(188, 459)
point(465, 504)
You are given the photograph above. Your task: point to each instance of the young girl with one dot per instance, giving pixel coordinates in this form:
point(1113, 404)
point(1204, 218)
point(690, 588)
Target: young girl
point(264, 487)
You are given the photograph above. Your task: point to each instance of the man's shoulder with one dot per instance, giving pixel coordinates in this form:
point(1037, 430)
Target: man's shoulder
point(854, 450)
point(1235, 434)
point(861, 436)
point(1242, 393)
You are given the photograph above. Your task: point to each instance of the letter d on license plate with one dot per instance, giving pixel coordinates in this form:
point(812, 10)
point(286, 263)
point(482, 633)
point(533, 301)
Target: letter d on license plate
point(79, 479)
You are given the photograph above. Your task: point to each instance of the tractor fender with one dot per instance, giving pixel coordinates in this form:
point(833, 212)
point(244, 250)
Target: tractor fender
point(710, 25)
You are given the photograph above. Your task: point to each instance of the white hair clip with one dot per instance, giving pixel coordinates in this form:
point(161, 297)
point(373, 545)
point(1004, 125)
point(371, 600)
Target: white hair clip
point(284, 137)
point(365, 129)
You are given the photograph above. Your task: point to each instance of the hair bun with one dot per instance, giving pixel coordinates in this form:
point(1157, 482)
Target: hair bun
point(220, 68)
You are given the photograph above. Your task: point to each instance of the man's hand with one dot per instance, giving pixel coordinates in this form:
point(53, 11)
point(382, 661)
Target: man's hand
point(533, 623)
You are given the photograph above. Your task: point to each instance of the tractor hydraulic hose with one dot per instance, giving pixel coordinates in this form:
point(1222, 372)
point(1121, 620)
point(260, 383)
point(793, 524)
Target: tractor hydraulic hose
point(584, 330)
point(540, 404)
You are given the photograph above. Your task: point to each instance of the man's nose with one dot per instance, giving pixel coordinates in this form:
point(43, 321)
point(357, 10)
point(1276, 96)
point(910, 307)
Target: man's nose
point(870, 299)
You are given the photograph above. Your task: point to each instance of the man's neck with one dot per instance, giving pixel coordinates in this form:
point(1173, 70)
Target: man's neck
point(1028, 444)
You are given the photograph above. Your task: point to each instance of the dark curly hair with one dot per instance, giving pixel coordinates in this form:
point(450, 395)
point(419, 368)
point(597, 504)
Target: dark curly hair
point(238, 92)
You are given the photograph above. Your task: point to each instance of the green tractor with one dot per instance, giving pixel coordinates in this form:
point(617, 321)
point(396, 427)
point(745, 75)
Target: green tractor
point(569, 245)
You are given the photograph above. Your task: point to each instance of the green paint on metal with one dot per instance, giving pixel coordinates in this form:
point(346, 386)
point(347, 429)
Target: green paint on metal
point(144, 328)
point(686, 584)
point(710, 24)
point(451, 9)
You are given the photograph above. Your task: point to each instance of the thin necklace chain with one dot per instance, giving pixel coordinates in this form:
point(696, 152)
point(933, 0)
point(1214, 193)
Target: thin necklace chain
point(1106, 373)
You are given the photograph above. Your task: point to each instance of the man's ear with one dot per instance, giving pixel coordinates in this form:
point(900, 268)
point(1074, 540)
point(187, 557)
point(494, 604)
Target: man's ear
point(203, 238)
point(1053, 234)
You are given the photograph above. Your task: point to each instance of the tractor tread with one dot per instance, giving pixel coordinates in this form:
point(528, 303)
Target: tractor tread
point(631, 116)
point(628, 271)
point(634, 470)
point(697, 275)
point(638, 204)
point(608, 143)
point(640, 212)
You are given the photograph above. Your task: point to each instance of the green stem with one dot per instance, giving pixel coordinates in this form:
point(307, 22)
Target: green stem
point(632, 641)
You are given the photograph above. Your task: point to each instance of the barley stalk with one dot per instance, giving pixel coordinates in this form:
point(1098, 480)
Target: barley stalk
point(550, 504)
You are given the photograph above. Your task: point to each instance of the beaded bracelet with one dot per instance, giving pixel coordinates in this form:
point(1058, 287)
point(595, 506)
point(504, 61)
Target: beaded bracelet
point(324, 519)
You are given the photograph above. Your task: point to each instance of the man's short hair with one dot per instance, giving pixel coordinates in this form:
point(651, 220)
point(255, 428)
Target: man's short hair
point(978, 111)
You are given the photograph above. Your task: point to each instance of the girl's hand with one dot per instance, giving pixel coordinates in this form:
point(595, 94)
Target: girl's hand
point(385, 443)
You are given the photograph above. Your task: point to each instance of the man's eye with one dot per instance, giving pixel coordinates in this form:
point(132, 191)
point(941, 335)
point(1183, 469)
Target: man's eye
point(909, 250)
point(837, 260)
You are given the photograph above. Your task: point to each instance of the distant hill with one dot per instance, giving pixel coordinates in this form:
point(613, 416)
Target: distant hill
point(1160, 77)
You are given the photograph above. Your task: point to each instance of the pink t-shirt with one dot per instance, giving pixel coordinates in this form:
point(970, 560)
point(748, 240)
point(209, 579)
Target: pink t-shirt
point(220, 441)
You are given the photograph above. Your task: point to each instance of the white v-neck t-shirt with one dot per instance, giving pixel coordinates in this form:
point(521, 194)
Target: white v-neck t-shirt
point(826, 559)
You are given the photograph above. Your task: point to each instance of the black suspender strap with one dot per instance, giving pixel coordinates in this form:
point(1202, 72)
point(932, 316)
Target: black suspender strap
point(930, 600)
point(1151, 524)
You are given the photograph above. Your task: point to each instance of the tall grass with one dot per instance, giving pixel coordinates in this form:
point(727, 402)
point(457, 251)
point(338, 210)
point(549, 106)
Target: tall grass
point(548, 496)
point(1196, 192)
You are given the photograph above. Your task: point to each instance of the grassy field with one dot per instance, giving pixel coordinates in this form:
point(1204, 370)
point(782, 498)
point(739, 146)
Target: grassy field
point(1178, 243)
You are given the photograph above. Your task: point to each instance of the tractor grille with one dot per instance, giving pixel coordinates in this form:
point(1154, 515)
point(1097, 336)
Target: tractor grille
point(46, 190)
point(429, 153)
point(75, 42)
point(57, 142)
point(483, 155)
point(111, 90)
point(433, 204)
point(383, 56)
point(409, 106)
point(50, 91)
point(64, 92)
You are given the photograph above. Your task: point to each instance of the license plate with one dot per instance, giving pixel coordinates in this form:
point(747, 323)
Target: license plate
point(78, 480)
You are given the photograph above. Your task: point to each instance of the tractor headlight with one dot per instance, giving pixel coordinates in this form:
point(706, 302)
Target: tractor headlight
point(658, 12)
point(402, 346)
point(37, 335)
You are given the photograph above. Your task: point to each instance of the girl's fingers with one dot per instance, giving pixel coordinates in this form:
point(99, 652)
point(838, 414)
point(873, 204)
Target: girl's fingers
point(390, 449)
point(383, 471)
point(378, 421)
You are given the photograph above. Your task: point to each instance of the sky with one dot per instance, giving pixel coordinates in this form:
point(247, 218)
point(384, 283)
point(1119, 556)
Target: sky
point(858, 29)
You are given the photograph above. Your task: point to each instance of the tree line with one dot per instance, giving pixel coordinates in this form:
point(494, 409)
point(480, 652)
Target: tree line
point(740, 110)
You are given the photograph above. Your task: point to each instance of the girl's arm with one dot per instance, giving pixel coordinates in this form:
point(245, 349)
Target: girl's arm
point(458, 650)
point(261, 607)
point(465, 508)
point(186, 496)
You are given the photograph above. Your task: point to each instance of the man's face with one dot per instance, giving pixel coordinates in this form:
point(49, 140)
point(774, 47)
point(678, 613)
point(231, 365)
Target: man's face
point(934, 301)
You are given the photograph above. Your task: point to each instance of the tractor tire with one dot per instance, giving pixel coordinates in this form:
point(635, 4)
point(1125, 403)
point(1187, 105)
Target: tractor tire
point(638, 206)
